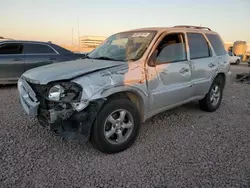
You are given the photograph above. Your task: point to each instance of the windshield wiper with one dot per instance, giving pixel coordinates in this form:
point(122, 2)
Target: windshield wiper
point(106, 58)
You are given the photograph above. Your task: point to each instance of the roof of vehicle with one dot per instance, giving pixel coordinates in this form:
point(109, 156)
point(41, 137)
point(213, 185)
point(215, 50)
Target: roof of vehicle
point(58, 48)
point(4, 39)
point(24, 41)
point(181, 27)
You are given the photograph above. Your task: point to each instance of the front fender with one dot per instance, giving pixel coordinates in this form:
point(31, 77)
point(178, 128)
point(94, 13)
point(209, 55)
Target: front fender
point(100, 86)
point(106, 92)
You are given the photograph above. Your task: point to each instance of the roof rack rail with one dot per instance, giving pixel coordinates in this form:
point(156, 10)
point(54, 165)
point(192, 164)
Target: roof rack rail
point(195, 27)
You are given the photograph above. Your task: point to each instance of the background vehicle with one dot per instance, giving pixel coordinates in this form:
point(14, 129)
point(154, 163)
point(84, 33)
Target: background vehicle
point(131, 77)
point(233, 59)
point(16, 57)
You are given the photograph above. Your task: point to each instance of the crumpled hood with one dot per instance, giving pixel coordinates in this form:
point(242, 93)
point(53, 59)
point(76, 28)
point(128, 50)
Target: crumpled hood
point(67, 70)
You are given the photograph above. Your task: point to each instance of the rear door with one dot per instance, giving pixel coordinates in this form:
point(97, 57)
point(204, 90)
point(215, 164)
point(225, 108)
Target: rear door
point(203, 63)
point(11, 61)
point(38, 55)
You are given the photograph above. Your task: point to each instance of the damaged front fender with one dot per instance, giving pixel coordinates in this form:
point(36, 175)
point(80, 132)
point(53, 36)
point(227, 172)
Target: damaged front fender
point(100, 85)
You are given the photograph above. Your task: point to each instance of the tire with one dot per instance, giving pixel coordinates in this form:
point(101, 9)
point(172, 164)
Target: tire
point(237, 62)
point(103, 126)
point(209, 105)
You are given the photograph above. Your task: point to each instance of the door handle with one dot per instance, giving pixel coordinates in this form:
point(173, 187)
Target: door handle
point(17, 59)
point(211, 65)
point(52, 58)
point(183, 70)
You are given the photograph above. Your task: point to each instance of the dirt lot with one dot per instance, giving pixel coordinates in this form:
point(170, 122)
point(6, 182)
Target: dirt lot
point(184, 147)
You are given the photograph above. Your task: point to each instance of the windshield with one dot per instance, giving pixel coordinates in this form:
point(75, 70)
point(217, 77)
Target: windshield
point(124, 46)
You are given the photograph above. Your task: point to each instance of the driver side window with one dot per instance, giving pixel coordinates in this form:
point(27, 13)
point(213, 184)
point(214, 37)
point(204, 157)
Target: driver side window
point(172, 49)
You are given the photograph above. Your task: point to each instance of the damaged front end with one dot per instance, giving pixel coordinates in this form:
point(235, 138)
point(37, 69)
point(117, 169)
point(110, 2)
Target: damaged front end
point(59, 108)
point(68, 123)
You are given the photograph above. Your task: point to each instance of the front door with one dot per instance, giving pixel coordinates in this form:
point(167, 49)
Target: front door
point(169, 82)
point(11, 62)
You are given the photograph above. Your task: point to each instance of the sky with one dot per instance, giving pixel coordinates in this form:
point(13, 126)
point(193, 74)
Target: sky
point(54, 20)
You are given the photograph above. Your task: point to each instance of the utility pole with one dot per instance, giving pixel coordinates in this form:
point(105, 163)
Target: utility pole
point(78, 31)
point(72, 36)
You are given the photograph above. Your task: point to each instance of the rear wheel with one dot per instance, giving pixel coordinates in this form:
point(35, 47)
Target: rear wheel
point(213, 98)
point(116, 126)
point(237, 62)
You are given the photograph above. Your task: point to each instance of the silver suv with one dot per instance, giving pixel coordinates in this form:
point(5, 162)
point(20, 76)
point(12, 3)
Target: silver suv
point(129, 78)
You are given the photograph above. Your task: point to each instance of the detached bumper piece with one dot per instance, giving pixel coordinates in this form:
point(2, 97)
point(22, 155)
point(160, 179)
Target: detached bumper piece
point(75, 127)
point(243, 78)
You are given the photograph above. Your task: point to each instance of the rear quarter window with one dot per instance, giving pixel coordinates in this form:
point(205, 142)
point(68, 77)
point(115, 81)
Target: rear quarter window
point(217, 44)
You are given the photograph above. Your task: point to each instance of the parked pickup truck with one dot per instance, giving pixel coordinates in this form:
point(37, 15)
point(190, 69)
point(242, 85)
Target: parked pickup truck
point(233, 59)
point(131, 77)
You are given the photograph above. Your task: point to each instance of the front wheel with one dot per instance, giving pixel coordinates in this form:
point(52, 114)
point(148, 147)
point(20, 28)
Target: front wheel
point(237, 62)
point(116, 126)
point(213, 98)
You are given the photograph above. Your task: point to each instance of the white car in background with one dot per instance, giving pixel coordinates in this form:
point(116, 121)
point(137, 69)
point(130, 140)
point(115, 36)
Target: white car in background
point(233, 59)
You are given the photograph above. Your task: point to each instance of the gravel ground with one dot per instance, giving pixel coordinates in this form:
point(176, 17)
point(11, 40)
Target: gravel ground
point(184, 147)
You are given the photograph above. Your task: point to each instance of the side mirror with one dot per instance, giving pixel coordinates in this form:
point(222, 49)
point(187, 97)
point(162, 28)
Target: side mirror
point(152, 59)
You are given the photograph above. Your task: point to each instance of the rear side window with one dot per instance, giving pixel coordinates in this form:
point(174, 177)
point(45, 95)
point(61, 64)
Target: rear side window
point(11, 49)
point(198, 46)
point(216, 44)
point(38, 49)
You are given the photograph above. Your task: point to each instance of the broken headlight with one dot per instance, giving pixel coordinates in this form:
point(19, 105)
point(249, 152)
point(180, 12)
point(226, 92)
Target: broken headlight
point(65, 92)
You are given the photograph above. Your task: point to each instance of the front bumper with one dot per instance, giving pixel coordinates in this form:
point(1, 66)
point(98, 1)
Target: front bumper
point(75, 125)
point(67, 123)
point(28, 98)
